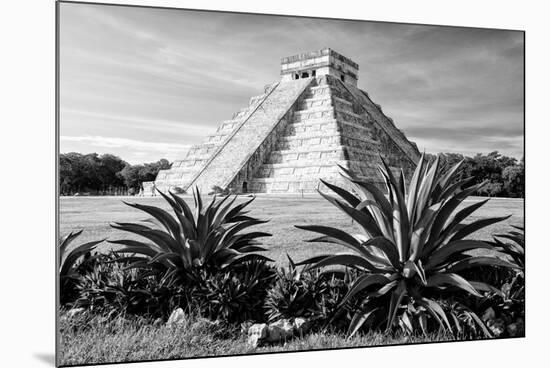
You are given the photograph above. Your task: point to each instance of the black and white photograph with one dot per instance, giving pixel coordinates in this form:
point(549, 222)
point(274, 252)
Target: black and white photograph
point(233, 183)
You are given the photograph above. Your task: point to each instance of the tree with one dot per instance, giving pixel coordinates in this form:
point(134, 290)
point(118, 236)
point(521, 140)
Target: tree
point(107, 171)
point(504, 175)
point(130, 174)
point(135, 175)
point(89, 172)
point(514, 180)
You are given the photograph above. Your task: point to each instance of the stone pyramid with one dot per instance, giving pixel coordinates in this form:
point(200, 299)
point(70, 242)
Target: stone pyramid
point(297, 132)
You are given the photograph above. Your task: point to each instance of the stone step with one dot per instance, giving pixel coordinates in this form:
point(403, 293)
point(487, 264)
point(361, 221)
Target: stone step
point(313, 130)
point(329, 97)
point(217, 139)
point(324, 113)
point(316, 102)
point(286, 172)
point(183, 169)
point(330, 124)
point(188, 163)
point(270, 185)
point(310, 134)
point(232, 155)
point(293, 186)
point(318, 91)
point(228, 125)
point(289, 156)
point(313, 143)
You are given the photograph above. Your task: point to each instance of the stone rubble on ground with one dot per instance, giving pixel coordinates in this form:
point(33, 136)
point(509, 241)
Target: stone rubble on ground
point(176, 318)
point(301, 325)
point(245, 326)
point(280, 330)
point(256, 333)
point(74, 312)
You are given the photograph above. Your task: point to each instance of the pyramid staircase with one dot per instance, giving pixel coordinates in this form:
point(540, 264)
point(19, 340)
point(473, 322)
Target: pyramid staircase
point(297, 132)
point(330, 128)
point(229, 154)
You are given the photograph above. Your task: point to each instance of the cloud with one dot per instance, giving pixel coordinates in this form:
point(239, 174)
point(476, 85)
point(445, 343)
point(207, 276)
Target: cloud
point(131, 150)
point(172, 76)
point(116, 142)
point(133, 123)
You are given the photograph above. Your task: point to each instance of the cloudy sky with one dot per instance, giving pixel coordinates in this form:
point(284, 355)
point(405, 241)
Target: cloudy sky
point(148, 83)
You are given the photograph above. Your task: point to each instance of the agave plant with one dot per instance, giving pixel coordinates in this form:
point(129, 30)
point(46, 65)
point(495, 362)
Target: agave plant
point(516, 248)
point(71, 263)
point(183, 243)
point(412, 246)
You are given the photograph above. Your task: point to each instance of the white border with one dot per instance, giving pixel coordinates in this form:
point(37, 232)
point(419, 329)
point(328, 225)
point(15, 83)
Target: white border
point(27, 185)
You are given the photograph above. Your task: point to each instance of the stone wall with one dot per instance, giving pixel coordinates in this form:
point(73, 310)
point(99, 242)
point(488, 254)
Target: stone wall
point(319, 63)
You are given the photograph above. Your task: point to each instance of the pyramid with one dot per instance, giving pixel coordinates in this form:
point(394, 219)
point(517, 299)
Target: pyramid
point(296, 132)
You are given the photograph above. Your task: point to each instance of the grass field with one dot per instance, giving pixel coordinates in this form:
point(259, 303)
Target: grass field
point(123, 340)
point(101, 341)
point(93, 214)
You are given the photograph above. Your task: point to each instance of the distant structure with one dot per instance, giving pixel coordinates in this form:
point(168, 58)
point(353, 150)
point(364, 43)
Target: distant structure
point(295, 133)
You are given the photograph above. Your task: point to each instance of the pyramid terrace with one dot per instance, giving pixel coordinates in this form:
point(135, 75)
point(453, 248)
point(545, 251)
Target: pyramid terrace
point(298, 131)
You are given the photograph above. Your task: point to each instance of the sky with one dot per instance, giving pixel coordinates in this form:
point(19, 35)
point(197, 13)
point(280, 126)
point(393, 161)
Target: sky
point(146, 84)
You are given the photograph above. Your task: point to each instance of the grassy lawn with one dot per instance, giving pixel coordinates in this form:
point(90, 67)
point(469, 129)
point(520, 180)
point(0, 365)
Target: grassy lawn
point(102, 341)
point(123, 340)
point(93, 214)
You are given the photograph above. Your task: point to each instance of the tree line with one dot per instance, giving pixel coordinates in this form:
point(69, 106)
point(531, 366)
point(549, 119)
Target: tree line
point(104, 174)
point(99, 174)
point(505, 175)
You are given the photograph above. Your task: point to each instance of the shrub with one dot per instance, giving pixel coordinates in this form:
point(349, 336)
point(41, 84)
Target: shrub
point(110, 287)
point(503, 307)
point(235, 295)
point(72, 265)
point(232, 296)
point(309, 294)
point(411, 248)
point(180, 247)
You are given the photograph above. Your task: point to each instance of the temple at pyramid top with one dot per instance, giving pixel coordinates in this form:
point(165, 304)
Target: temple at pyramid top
point(297, 131)
point(319, 63)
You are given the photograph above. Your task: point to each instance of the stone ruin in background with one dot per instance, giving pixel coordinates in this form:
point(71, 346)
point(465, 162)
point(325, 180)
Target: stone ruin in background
point(297, 132)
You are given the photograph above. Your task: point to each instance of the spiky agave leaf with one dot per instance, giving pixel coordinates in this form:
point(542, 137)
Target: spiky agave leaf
point(212, 236)
point(69, 260)
point(513, 244)
point(414, 242)
point(71, 263)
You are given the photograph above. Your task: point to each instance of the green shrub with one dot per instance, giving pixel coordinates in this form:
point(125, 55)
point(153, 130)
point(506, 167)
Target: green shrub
point(109, 286)
point(503, 306)
point(411, 249)
point(72, 265)
point(181, 246)
point(309, 294)
point(235, 295)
